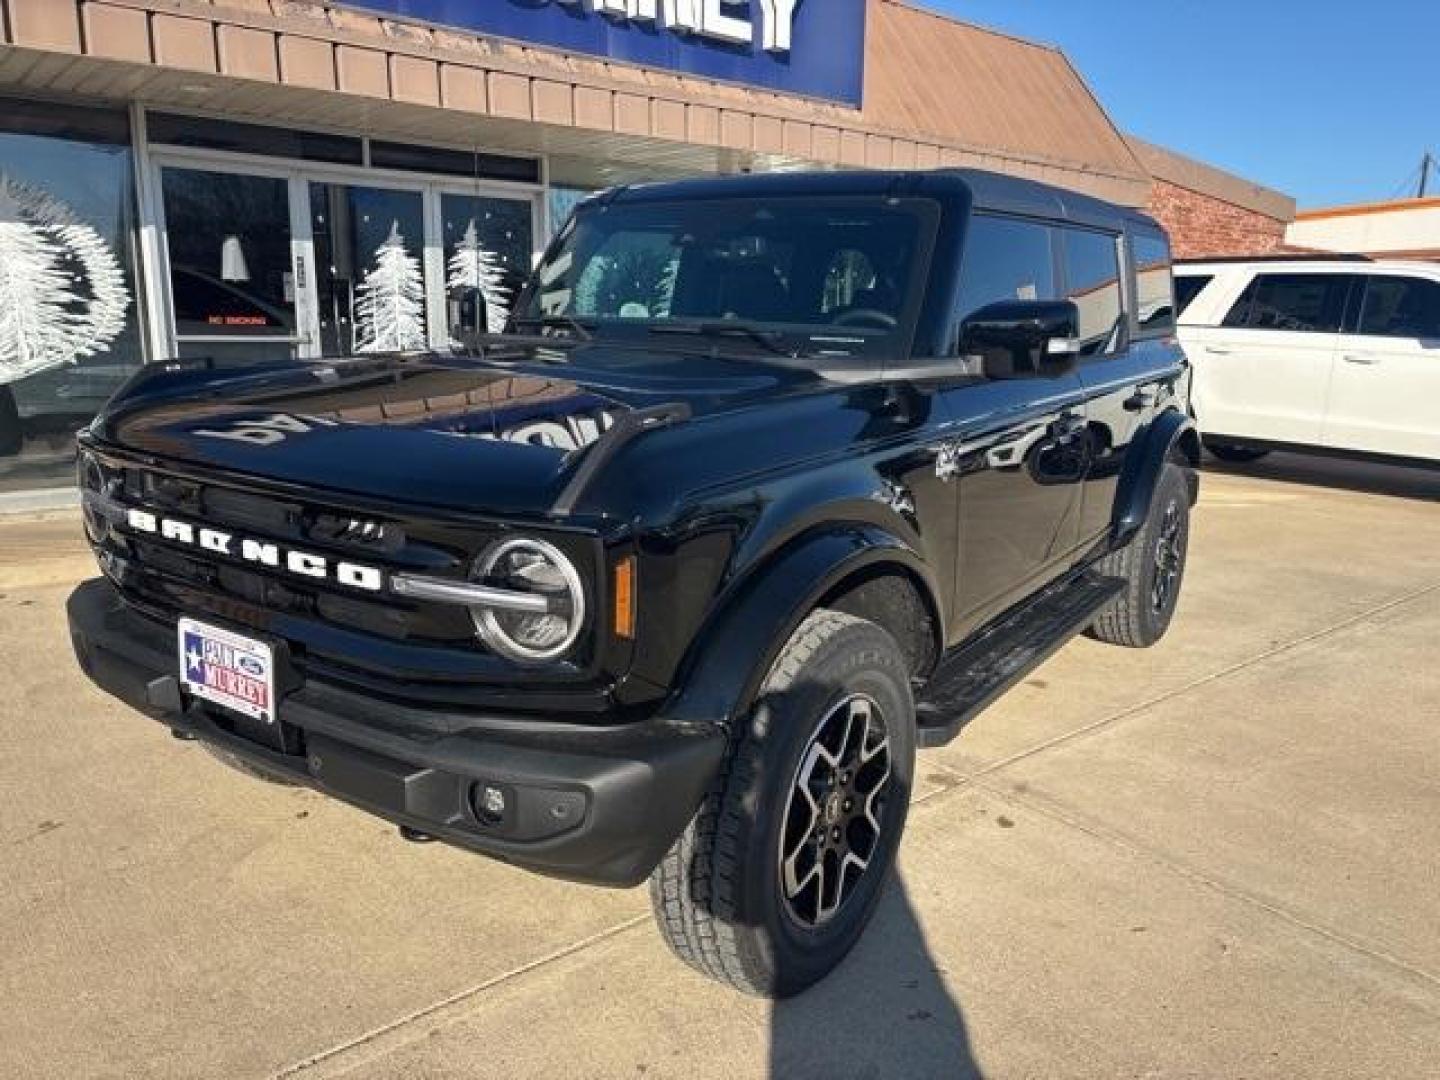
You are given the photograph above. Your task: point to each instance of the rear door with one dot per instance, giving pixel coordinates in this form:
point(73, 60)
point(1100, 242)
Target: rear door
point(1128, 364)
point(1385, 394)
point(1264, 372)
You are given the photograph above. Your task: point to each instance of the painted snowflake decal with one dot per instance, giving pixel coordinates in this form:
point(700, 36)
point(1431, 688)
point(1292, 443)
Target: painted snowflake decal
point(62, 290)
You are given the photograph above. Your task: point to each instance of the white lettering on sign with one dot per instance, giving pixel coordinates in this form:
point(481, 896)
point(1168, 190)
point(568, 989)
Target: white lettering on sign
point(723, 20)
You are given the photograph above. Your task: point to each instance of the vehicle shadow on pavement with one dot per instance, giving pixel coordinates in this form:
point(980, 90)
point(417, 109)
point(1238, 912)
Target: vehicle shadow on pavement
point(885, 1012)
point(1364, 477)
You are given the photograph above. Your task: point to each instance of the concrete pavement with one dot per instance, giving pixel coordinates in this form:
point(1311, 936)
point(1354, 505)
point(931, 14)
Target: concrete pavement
point(1213, 859)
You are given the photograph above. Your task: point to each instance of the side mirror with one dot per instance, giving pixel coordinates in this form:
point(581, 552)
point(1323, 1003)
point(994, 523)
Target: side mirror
point(1023, 339)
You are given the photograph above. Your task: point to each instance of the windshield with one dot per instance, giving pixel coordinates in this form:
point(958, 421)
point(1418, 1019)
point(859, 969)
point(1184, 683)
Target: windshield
point(811, 276)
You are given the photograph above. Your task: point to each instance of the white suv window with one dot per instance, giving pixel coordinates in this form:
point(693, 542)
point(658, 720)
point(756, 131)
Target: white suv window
point(1404, 307)
point(1297, 303)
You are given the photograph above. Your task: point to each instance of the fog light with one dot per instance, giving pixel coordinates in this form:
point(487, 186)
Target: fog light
point(490, 804)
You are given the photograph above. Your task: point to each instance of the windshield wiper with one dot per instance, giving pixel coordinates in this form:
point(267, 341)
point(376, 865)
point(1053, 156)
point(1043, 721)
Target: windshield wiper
point(556, 322)
point(773, 340)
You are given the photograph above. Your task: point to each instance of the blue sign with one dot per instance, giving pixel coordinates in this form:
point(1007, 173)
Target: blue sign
point(814, 48)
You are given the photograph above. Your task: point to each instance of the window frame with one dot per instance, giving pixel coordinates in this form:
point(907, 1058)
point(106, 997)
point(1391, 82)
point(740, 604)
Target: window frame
point(1346, 317)
point(1123, 271)
point(1046, 225)
point(1360, 299)
point(1132, 272)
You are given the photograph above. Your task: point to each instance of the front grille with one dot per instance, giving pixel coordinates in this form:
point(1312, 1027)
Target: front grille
point(381, 643)
point(165, 577)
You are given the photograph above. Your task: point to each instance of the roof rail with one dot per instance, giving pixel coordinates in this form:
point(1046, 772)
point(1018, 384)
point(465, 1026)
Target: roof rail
point(1308, 256)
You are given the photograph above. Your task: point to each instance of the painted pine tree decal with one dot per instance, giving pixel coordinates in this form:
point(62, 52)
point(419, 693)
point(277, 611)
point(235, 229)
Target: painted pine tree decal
point(390, 311)
point(474, 269)
point(62, 291)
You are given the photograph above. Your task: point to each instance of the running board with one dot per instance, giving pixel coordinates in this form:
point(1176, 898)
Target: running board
point(968, 680)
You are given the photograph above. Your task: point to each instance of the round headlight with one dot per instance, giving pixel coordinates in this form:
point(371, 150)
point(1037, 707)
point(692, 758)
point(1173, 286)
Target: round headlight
point(524, 565)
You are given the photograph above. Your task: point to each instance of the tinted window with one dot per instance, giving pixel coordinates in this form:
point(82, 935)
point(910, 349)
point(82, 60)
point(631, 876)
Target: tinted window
point(1154, 299)
point(832, 274)
point(229, 242)
point(1306, 303)
point(1401, 307)
point(253, 139)
point(453, 162)
point(1005, 259)
point(1092, 280)
point(1188, 287)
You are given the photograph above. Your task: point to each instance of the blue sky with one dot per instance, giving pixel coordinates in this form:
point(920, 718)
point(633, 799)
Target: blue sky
point(1330, 101)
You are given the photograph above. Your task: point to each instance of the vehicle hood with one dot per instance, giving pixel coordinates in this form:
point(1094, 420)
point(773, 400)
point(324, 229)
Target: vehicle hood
point(435, 431)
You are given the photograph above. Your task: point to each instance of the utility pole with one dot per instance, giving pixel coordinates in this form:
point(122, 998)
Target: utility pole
point(1426, 164)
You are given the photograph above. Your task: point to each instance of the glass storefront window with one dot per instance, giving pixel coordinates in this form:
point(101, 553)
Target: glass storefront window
point(370, 268)
point(228, 236)
point(487, 257)
point(69, 332)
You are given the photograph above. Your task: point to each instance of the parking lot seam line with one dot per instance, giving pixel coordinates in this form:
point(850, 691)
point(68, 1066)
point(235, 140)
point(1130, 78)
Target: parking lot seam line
point(1204, 680)
point(1068, 816)
point(437, 1009)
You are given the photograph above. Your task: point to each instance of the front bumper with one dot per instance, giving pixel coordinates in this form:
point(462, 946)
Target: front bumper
point(600, 805)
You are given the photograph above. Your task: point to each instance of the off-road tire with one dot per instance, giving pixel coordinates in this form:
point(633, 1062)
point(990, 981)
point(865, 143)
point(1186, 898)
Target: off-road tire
point(1134, 619)
point(12, 434)
point(717, 895)
point(1232, 454)
point(240, 765)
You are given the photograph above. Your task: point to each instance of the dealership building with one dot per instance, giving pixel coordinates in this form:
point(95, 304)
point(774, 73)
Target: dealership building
point(228, 178)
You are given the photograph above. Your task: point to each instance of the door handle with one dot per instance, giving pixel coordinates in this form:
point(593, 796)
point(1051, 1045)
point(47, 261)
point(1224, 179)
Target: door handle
point(1364, 359)
point(1139, 401)
point(1217, 350)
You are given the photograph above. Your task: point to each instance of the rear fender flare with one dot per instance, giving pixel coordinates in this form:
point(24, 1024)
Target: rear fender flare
point(1169, 435)
point(728, 661)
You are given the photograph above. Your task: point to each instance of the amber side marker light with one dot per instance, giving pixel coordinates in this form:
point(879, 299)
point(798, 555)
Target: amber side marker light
point(625, 598)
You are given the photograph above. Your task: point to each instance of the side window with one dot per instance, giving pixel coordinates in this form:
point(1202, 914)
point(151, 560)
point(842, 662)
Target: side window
point(1005, 259)
point(1299, 303)
point(1092, 280)
point(1154, 293)
point(1401, 307)
point(1188, 287)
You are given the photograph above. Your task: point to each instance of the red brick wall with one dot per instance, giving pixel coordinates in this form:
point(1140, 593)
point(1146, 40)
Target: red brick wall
point(1202, 226)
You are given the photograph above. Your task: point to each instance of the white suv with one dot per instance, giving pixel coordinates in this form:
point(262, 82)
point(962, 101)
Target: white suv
point(1340, 355)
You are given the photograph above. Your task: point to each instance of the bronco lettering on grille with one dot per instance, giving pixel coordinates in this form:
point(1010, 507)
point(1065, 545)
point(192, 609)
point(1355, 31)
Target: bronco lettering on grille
point(259, 552)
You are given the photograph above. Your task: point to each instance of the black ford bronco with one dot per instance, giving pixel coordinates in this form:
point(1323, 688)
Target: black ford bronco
point(772, 481)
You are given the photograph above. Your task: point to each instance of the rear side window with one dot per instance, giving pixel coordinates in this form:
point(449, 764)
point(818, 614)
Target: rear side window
point(1005, 259)
point(1298, 303)
point(1154, 294)
point(1092, 280)
point(1188, 287)
point(1401, 307)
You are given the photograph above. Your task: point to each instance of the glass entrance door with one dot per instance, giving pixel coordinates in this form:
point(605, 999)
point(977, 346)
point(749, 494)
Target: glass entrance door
point(264, 262)
point(370, 279)
point(232, 284)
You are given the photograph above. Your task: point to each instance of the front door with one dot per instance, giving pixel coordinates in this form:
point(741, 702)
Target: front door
point(265, 263)
point(370, 279)
point(1386, 386)
point(232, 255)
point(1019, 451)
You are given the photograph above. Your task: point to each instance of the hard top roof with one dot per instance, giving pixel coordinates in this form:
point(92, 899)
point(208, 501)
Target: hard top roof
point(994, 192)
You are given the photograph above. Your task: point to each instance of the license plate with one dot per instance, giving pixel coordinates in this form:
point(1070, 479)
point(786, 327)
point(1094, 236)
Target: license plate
point(228, 669)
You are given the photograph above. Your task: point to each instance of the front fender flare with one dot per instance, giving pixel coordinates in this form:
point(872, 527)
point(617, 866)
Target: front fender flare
point(724, 668)
point(1169, 433)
